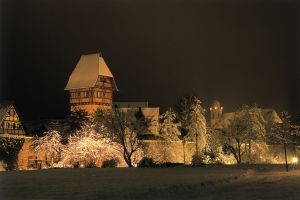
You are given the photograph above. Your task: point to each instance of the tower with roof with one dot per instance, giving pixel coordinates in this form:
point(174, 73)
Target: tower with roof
point(216, 111)
point(91, 84)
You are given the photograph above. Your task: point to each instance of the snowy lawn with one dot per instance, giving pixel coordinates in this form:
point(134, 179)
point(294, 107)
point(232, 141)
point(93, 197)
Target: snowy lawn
point(210, 182)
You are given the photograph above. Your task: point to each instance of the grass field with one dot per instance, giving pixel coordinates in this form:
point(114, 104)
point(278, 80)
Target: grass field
point(209, 182)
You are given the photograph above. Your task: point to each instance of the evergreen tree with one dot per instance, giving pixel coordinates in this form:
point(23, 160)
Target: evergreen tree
point(191, 116)
point(169, 128)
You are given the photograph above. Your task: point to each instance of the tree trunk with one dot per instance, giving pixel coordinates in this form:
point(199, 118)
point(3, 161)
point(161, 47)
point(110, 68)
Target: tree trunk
point(285, 156)
point(197, 146)
point(239, 153)
point(183, 150)
point(249, 152)
point(250, 147)
point(127, 158)
point(128, 161)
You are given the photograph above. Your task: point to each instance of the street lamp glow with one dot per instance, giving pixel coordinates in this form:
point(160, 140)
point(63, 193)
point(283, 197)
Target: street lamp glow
point(294, 160)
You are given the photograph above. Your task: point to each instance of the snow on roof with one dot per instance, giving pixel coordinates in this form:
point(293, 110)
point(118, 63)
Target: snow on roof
point(87, 71)
point(4, 107)
point(269, 115)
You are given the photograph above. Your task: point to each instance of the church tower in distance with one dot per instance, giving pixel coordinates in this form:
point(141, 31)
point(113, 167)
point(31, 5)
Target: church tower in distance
point(216, 111)
point(91, 84)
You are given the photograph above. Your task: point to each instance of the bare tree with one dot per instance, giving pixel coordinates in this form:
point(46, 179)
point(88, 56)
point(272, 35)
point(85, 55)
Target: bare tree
point(123, 128)
point(284, 133)
point(246, 126)
point(50, 144)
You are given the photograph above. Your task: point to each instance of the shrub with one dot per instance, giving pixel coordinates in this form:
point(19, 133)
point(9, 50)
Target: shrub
point(146, 162)
point(110, 163)
point(91, 165)
point(169, 164)
point(197, 160)
point(9, 150)
point(76, 165)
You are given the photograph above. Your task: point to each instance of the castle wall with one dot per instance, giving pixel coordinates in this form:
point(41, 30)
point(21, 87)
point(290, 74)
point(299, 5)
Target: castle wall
point(28, 159)
point(173, 152)
point(152, 114)
point(89, 108)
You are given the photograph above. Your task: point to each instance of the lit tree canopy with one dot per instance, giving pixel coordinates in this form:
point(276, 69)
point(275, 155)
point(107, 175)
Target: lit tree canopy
point(191, 116)
point(169, 129)
point(247, 125)
point(87, 147)
point(50, 144)
point(123, 128)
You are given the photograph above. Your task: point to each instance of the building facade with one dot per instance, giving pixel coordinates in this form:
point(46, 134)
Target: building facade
point(91, 84)
point(10, 121)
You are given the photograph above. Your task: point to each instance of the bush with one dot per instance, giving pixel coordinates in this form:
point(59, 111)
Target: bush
point(169, 164)
point(110, 163)
point(91, 165)
point(9, 150)
point(76, 165)
point(197, 160)
point(146, 162)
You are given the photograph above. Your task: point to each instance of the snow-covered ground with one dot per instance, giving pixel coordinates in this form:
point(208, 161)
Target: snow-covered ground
point(210, 182)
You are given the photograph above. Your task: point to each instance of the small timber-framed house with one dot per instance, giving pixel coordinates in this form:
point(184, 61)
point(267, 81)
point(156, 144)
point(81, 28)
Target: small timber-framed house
point(10, 121)
point(91, 84)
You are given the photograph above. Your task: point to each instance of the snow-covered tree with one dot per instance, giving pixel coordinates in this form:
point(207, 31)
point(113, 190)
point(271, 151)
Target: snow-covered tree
point(169, 129)
point(191, 116)
point(247, 126)
point(51, 144)
point(284, 133)
point(123, 128)
point(88, 147)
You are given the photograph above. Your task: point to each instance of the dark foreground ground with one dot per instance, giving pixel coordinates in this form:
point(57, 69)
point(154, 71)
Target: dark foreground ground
point(210, 182)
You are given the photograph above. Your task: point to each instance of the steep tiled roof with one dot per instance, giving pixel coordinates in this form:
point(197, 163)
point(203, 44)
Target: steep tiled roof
point(87, 71)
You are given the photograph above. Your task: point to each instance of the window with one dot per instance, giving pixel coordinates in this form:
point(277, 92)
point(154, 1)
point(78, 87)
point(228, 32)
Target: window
point(99, 94)
point(86, 94)
point(11, 112)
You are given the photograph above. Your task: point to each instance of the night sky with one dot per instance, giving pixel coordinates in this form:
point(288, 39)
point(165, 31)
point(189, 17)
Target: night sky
point(157, 50)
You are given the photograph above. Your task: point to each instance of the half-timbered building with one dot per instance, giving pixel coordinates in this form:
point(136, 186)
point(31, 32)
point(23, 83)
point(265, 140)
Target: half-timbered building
point(10, 121)
point(91, 84)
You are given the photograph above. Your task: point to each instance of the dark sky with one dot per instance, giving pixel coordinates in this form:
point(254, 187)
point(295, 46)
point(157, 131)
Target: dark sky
point(157, 50)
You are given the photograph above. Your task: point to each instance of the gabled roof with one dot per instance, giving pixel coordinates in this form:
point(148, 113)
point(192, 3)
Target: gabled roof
point(4, 107)
point(269, 115)
point(87, 71)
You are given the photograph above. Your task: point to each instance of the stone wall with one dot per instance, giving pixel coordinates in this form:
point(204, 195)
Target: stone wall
point(173, 152)
point(28, 159)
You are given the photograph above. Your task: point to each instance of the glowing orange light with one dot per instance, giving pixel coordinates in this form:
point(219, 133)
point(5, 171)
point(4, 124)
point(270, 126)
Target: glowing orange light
point(295, 160)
